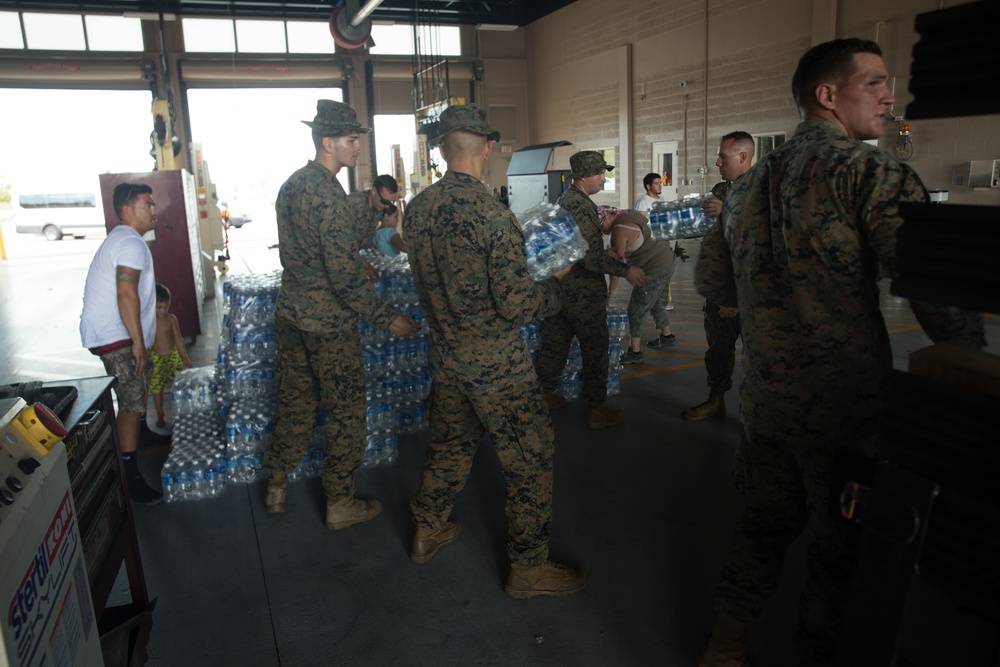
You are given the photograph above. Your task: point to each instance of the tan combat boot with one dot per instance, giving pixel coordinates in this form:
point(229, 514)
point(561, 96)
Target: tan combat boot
point(346, 512)
point(601, 416)
point(274, 501)
point(715, 406)
point(426, 542)
point(726, 646)
point(548, 578)
point(554, 401)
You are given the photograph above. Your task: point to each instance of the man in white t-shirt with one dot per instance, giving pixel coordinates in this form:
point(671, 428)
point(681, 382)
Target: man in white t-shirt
point(654, 186)
point(118, 322)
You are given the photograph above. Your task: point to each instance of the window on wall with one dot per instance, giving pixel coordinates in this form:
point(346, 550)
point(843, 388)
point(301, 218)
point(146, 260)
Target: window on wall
point(610, 182)
point(10, 31)
point(398, 40)
point(256, 36)
point(766, 142)
point(69, 32)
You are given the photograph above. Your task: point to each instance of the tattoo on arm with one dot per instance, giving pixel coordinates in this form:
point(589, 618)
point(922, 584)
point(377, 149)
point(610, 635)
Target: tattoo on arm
point(124, 274)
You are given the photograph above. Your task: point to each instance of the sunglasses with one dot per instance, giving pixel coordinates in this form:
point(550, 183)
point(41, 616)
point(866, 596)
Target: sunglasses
point(386, 202)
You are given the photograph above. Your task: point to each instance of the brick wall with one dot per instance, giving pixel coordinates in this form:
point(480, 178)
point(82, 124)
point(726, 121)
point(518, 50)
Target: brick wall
point(753, 47)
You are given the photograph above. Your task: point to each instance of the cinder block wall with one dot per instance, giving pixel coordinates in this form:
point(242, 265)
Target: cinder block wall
point(578, 90)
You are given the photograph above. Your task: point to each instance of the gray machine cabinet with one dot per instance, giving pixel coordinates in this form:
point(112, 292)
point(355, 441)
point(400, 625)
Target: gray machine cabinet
point(529, 182)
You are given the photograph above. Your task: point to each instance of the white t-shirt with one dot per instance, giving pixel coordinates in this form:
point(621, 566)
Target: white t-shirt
point(101, 323)
point(644, 203)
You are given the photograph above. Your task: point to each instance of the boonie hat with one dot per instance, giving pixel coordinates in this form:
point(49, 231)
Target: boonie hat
point(468, 117)
point(336, 118)
point(588, 163)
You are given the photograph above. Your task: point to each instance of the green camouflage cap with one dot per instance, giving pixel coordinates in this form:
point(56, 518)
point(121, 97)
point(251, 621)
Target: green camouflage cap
point(336, 118)
point(468, 117)
point(588, 163)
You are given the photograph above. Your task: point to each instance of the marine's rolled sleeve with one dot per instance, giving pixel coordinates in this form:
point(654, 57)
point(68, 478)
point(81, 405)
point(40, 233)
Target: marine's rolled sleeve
point(584, 212)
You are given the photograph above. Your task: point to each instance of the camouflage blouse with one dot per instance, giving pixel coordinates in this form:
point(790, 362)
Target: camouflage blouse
point(809, 231)
point(471, 275)
point(323, 284)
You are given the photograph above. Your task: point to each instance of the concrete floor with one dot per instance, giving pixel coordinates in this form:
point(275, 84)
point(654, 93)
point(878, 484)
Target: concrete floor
point(646, 508)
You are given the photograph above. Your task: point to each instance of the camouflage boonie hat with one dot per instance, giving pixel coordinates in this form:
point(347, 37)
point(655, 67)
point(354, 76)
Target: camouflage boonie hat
point(336, 118)
point(588, 163)
point(468, 117)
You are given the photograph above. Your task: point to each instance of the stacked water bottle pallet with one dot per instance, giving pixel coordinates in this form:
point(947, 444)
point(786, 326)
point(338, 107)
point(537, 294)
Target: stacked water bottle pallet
point(196, 468)
point(397, 380)
point(571, 380)
point(683, 219)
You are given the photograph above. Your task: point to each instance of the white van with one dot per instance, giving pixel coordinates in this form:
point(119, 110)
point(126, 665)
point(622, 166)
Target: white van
point(58, 214)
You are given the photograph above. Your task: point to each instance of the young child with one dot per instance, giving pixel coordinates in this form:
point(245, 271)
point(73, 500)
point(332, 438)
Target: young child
point(168, 352)
point(387, 238)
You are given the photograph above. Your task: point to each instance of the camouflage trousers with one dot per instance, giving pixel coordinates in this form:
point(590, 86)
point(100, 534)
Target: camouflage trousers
point(131, 389)
point(786, 489)
point(587, 319)
point(520, 429)
point(720, 357)
point(317, 370)
point(650, 298)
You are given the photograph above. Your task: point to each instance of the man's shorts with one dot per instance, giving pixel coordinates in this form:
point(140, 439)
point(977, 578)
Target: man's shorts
point(132, 389)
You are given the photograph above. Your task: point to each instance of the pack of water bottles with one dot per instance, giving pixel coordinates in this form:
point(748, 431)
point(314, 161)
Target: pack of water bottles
point(531, 334)
point(196, 467)
point(252, 298)
point(195, 390)
point(682, 219)
point(551, 238)
point(250, 425)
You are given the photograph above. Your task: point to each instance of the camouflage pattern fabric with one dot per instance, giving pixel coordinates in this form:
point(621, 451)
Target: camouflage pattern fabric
point(131, 389)
point(720, 357)
point(470, 272)
point(807, 230)
point(656, 258)
point(805, 234)
point(323, 282)
point(367, 218)
point(314, 370)
point(468, 117)
point(786, 489)
point(520, 430)
point(650, 298)
point(584, 295)
point(720, 332)
point(588, 163)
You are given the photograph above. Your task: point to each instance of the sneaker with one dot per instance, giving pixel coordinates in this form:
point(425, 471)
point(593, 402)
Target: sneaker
point(669, 306)
point(548, 578)
point(143, 493)
point(662, 342)
point(631, 357)
point(426, 542)
point(346, 512)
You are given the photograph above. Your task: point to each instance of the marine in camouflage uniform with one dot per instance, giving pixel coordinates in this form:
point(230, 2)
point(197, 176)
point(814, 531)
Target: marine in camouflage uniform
point(734, 158)
point(584, 295)
point(470, 272)
point(367, 207)
point(808, 230)
point(323, 290)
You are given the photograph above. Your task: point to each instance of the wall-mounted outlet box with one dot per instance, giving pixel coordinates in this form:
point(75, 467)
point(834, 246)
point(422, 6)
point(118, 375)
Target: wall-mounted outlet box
point(984, 174)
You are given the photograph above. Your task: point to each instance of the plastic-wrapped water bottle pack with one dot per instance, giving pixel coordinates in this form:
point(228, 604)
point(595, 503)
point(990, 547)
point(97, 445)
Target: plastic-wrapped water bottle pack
point(196, 467)
point(682, 219)
point(551, 238)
